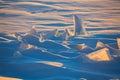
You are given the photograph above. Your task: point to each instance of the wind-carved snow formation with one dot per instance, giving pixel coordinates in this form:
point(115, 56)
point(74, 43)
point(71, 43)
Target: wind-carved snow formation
point(79, 28)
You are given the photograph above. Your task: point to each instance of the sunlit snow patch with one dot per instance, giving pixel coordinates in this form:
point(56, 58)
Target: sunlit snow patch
point(100, 55)
point(57, 64)
point(8, 78)
point(80, 46)
point(118, 42)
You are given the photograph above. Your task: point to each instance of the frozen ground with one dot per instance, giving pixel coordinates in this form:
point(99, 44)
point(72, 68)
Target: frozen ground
point(58, 46)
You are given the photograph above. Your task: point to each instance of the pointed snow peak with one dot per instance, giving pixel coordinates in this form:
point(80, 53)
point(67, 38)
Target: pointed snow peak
point(118, 42)
point(100, 55)
point(79, 29)
point(100, 44)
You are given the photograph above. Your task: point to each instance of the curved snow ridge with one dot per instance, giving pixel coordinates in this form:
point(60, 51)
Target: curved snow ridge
point(52, 46)
point(5, 39)
point(57, 64)
point(40, 54)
